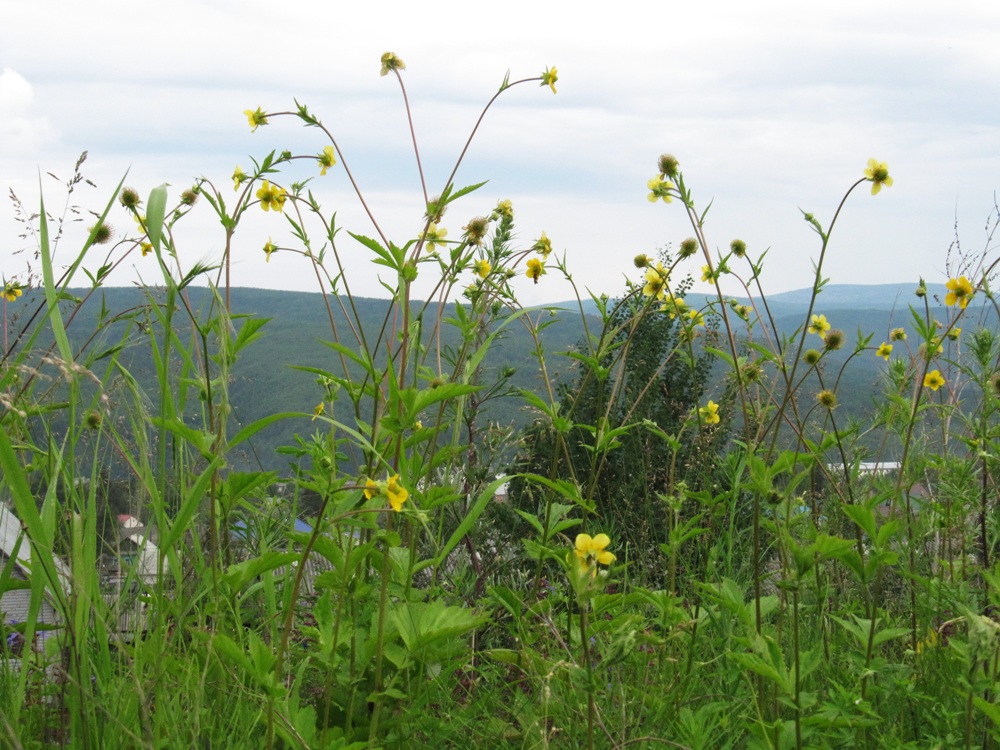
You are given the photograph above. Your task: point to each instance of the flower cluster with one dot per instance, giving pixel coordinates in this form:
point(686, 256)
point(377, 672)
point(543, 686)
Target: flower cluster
point(933, 380)
point(959, 292)
point(271, 197)
point(819, 325)
point(255, 117)
point(659, 189)
point(326, 160)
point(481, 268)
point(535, 269)
point(592, 551)
point(543, 246)
point(549, 78)
point(391, 488)
point(656, 282)
point(709, 413)
point(434, 237)
point(269, 247)
point(390, 61)
point(660, 186)
point(877, 172)
point(11, 291)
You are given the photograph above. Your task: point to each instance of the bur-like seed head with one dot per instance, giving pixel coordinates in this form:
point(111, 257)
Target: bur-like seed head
point(668, 165)
point(833, 340)
point(101, 234)
point(688, 247)
point(129, 197)
point(827, 399)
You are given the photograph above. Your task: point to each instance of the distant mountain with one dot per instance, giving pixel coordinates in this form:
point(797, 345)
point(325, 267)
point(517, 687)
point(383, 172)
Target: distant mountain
point(885, 297)
point(298, 324)
point(860, 296)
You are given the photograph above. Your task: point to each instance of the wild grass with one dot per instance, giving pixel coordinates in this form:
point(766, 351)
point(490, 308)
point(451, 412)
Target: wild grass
point(674, 566)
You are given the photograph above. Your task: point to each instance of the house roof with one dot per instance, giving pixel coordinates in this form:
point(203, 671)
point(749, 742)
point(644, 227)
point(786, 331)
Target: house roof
point(14, 543)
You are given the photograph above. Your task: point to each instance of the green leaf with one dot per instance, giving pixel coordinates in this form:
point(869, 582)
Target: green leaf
point(156, 211)
point(421, 624)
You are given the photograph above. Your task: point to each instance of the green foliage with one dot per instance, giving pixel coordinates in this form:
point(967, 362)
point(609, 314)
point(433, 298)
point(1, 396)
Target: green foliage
point(669, 569)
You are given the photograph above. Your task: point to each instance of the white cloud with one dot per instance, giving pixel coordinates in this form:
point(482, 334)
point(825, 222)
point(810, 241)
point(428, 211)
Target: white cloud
point(20, 129)
point(769, 106)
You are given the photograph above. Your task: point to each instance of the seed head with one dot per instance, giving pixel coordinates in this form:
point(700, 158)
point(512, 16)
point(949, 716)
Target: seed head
point(129, 197)
point(101, 234)
point(668, 164)
point(475, 230)
point(833, 340)
point(739, 248)
point(827, 399)
point(811, 357)
point(689, 247)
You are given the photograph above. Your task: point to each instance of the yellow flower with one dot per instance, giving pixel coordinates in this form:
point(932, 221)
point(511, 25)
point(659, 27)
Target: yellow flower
point(536, 269)
point(929, 642)
point(884, 351)
point(271, 197)
point(933, 380)
point(709, 413)
point(656, 282)
point(255, 117)
point(959, 291)
point(878, 173)
point(238, 176)
point(954, 333)
point(318, 411)
point(396, 493)
point(549, 78)
point(371, 489)
point(674, 306)
point(659, 188)
point(434, 237)
point(327, 159)
point(505, 209)
point(696, 317)
point(269, 247)
point(11, 291)
point(146, 248)
point(819, 325)
point(707, 274)
point(590, 550)
point(897, 334)
point(543, 246)
point(481, 268)
point(391, 62)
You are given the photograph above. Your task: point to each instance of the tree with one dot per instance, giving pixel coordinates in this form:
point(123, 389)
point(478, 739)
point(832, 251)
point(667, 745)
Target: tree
point(629, 431)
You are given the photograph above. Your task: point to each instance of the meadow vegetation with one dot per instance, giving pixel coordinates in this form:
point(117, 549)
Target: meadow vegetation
point(691, 550)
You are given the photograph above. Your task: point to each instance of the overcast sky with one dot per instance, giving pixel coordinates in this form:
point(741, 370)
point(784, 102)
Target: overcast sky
point(769, 107)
